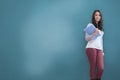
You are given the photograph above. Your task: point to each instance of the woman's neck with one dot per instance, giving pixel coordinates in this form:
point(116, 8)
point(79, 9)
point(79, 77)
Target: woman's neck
point(97, 23)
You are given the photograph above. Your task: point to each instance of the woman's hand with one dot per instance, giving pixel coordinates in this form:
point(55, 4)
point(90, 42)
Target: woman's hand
point(96, 31)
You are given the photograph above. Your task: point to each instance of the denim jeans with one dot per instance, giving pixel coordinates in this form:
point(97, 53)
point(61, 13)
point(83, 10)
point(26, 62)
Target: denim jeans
point(96, 61)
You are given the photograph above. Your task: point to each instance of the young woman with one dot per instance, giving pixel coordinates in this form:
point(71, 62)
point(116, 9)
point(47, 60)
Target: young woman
point(94, 48)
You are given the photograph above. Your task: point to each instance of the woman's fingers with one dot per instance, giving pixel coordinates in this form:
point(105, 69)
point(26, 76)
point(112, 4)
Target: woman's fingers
point(96, 31)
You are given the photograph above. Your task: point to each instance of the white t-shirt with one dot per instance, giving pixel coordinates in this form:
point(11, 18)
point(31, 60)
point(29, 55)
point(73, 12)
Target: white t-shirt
point(97, 43)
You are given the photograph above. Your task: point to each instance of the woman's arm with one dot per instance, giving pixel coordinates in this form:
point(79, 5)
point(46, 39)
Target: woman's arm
point(101, 32)
point(89, 37)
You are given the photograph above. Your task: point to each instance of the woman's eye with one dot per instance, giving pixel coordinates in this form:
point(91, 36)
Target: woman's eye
point(97, 15)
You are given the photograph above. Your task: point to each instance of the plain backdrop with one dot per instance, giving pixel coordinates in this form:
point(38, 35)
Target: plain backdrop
point(44, 39)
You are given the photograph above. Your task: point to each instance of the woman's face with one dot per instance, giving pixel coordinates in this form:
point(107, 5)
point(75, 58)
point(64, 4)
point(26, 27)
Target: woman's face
point(97, 16)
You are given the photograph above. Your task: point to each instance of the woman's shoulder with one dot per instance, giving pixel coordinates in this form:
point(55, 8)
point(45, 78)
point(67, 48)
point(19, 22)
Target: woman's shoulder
point(102, 31)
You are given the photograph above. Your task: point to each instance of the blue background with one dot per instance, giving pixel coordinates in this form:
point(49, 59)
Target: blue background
point(44, 39)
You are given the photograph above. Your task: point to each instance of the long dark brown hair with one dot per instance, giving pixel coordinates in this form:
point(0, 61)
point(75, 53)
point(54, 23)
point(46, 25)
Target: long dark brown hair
point(100, 23)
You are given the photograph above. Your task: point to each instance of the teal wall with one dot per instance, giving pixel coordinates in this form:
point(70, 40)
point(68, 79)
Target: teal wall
point(44, 39)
